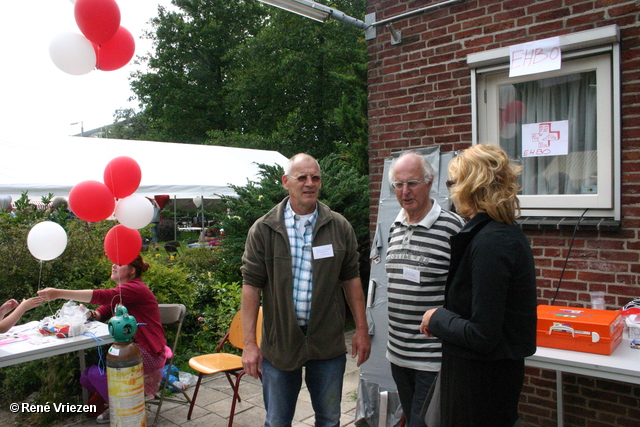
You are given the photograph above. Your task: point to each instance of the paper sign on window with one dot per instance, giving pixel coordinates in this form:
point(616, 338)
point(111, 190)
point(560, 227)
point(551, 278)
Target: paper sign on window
point(535, 57)
point(545, 139)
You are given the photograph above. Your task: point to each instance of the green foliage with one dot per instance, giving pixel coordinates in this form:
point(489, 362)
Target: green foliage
point(186, 278)
point(351, 117)
point(290, 79)
point(244, 74)
point(347, 192)
point(253, 200)
point(209, 319)
point(19, 381)
point(183, 93)
point(128, 125)
point(343, 189)
point(82, 265)
point(200, 260)
point(58, 380)
point(168, 280)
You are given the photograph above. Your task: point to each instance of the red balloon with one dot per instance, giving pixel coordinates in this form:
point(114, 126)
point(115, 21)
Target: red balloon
point(91, 201)
point(122, 245)
point(115, 53)
point(98, 20)
point(513, 112)
point(122, 176)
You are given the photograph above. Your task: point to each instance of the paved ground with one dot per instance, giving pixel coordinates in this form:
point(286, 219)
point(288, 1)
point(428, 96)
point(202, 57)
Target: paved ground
point(214, 403)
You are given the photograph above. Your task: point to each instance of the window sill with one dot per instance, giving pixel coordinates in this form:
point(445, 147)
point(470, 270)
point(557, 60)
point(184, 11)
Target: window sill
point(568, 223)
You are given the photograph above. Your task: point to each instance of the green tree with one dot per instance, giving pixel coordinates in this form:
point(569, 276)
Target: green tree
point(344, 191)
point(290, 79)
point(240, 73)
point(128, 125)
point(183, 93)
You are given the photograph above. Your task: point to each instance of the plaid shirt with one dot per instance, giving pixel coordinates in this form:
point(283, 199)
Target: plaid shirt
point(301, 261)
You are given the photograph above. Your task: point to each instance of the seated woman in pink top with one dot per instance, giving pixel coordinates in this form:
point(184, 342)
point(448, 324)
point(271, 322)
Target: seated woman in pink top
point(141, 304)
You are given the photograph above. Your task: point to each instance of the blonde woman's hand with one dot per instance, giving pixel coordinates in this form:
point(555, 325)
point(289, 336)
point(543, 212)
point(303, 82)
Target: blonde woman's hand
point(424, 325)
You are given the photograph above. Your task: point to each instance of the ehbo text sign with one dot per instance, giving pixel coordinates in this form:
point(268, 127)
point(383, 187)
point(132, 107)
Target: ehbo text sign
point(545, 139)
point(535, 57)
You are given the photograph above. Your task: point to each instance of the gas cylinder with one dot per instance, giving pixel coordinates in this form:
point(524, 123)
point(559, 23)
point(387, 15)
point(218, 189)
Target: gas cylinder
point(124, 373)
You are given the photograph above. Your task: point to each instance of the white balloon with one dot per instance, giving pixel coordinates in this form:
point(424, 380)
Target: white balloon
point(197, 201)
point(72, 53)
point(47, 240)
point(134, 212)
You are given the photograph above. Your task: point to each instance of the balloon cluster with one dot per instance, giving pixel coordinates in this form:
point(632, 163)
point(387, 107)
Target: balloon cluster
point(103, 44)
point(94, 201)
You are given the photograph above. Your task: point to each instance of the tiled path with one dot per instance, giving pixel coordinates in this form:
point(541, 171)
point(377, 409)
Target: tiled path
point(214, 403)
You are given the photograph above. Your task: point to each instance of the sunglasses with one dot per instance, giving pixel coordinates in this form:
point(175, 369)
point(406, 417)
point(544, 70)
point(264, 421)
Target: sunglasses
point(303, 178)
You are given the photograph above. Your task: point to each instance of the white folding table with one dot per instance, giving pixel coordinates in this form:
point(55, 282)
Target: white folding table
point(23, 343)
point(622, 365)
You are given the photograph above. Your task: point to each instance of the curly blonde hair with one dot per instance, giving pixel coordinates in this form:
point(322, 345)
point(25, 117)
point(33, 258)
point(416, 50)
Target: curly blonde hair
point(486, 180)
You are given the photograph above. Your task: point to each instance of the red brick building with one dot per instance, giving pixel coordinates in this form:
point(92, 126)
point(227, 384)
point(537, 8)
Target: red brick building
point(446, 83)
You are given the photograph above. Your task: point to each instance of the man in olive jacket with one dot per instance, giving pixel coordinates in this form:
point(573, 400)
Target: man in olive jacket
point(301, 257)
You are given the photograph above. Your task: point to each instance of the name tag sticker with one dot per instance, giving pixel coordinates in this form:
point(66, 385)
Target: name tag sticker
point(411, 275)
point(324, 251)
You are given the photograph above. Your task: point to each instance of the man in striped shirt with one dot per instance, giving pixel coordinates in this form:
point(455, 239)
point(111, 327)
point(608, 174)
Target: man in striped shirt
point(417, 264)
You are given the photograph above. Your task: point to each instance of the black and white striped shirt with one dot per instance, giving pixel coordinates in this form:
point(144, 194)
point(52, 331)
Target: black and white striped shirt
point(417, 264)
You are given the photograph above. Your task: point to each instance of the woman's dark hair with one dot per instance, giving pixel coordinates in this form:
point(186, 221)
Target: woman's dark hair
point(139, 265)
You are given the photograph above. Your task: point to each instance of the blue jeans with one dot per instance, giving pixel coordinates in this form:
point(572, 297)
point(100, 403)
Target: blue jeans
point(413, 388)
point(324, 382)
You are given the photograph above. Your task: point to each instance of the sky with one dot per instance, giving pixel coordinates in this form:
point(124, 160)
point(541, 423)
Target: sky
point(36, 97)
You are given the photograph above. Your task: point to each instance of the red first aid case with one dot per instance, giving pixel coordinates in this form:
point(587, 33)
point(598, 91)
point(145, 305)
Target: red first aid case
point(579, 329)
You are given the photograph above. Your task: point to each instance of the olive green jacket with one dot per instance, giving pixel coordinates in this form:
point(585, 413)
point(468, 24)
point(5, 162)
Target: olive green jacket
point(266, 264)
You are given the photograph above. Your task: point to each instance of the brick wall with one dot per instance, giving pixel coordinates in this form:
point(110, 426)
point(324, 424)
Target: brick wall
point(420, 95)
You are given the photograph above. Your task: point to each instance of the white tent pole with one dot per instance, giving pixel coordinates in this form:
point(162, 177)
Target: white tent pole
point(175, 218)
point(202, 210)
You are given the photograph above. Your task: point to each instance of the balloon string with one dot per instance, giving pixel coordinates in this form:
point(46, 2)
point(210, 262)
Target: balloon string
point(40, 275)
point(40, 283)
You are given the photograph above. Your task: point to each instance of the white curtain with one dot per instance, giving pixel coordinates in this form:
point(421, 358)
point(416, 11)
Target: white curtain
point(572, 98)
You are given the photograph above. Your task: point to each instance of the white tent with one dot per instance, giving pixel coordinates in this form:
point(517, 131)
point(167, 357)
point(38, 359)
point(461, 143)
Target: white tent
point(44, 165)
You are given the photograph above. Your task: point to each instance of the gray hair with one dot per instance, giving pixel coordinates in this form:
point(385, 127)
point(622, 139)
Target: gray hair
point(58, 202)
point(289, 166)
point(427, 169)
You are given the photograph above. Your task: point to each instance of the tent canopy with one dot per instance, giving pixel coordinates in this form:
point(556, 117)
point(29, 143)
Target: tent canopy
point(54, 165)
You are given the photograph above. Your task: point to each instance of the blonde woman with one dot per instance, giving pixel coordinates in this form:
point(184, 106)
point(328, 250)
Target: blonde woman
point(488, 322)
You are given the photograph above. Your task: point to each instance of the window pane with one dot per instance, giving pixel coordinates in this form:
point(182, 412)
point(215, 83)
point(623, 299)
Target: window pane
point(570, 97)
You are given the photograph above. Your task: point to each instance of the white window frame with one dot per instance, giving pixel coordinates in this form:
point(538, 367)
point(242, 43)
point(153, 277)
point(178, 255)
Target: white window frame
point(597, 50)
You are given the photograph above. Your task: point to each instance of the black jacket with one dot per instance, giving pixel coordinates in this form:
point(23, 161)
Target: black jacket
point(490, 296)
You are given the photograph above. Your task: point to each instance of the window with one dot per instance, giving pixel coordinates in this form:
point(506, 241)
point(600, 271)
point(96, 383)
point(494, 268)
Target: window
point(579, 101)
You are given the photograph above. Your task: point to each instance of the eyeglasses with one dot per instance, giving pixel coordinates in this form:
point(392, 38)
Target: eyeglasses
point(399, 185)
point(303, 178)
point(450, 183)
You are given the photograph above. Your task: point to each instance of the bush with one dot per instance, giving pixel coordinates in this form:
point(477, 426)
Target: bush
point(344, 190)
point(211, 315)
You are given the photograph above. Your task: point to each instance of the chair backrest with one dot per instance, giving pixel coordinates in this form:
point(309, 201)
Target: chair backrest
point(235, 330)
point(172, 313)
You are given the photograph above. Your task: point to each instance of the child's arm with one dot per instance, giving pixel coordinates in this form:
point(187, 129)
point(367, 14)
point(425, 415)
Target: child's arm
point(26, 304)
point(7, 307)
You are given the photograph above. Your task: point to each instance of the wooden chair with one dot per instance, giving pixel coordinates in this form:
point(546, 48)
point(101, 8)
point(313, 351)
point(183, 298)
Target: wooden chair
point(171, 316)
point(230, 364)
